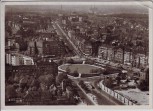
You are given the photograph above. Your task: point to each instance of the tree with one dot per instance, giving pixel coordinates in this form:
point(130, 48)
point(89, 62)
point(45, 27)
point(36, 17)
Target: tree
point(35, 83)
point(75, 73)
point(95, 47)
point(17, 78)
point(115, 47)
point(139, 48)
point(118, 78)
point(130, 46)
point(122, 45)
point(9, 30)
point(99, 71)
point(147, 75)
point(23, 45)
point(70, 61)
point(23, 82)
point(47, 79)
point(21, 31)
point(30, 32)
point(108, 82)
point(146, 47)
point(10, 79)
point(81, 82)
point(68, 82)
point(89, 61)
point(51, 79)
point(61, 77)
point(106, 72)
point(11, 92)
point(68, 70)
point(60, 62)
point(143, 85)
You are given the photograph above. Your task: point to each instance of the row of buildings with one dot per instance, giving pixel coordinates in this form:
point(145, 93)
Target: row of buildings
point(92, 38)
point(47, 42)
point(137, 60)
point(107, 53)
point(39, 68)
point(16, 59)
point(46, 47)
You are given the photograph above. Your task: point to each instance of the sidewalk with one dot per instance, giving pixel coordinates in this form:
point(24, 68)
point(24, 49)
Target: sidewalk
point(107, 96)
point(88, 96)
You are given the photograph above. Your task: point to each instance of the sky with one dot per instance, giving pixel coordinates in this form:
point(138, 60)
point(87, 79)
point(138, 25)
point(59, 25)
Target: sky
point(104, 8)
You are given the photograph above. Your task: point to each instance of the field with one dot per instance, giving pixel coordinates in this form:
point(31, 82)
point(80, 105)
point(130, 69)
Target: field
point(81, 68)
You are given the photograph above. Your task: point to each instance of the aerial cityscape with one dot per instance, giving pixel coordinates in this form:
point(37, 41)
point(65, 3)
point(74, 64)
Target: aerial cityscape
point(76, 55)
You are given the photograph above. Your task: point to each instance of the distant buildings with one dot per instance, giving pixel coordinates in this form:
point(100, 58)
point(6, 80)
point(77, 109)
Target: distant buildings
point(105, 53)
point(46, 47)
point(11, 45)
point(106, 30)
point(108, 53)
point(16, 59)
point(47, 67)
point(40, 68)
point(86, 48)
point(75, 18)
point(95, 47)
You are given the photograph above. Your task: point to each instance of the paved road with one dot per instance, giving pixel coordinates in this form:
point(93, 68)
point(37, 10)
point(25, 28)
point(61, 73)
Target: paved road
point(102, 98)
point(80, 53)
point(105, 99)
point(85, 96)
point(61, 32)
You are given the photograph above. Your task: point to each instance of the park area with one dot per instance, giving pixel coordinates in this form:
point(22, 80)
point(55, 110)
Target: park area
point(80, 68)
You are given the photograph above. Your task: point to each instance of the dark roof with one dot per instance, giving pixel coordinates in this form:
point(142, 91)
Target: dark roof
point(46, 63)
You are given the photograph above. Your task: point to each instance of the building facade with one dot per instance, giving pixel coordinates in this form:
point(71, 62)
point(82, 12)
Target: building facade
point(16, 59)
point(108, 53)
point(46, 47)
point(41, 68)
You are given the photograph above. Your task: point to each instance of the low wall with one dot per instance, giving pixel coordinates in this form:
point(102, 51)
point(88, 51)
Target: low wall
point(116, 95)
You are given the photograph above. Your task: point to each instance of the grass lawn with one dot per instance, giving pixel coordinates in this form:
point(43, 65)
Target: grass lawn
point(81, 68)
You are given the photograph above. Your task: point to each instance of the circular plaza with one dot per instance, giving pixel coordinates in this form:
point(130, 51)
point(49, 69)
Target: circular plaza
point(84, 70)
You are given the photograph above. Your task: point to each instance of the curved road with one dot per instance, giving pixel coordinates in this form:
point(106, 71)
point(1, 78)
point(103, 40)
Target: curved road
point(102, 98)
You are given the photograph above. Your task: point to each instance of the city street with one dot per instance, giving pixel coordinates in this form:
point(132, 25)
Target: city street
point(76, 55)
point(61, 32)
point(102, 98)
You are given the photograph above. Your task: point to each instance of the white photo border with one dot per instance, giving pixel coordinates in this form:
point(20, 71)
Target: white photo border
point(2, 40)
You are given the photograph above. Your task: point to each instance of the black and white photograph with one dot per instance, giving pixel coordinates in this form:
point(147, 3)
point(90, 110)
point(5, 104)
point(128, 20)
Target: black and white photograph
point(76, 54)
